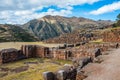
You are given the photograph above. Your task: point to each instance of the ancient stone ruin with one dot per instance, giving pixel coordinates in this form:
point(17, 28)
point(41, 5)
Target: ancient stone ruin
point(112, 35)
point(69, 52)
point(75, 37)
point(27, 51)
point(80, 55)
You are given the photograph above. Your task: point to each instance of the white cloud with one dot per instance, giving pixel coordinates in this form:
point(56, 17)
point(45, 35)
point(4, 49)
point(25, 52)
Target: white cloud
point(30, 4)
point(21, 11)
point(18, 17)
point(107, 8)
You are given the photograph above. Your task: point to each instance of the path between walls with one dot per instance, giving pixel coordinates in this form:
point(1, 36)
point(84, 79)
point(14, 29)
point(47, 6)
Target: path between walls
point(109, 69)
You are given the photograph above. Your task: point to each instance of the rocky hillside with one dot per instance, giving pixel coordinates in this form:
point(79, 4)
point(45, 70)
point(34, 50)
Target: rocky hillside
point(111, 35)
point(104, 35)
point(53, 26)
point(14, 33)
point(75, 37)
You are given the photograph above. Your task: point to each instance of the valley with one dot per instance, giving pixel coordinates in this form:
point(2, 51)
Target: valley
point(58, 48)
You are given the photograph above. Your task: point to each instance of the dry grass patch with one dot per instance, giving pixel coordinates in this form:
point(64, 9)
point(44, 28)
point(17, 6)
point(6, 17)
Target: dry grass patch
point(17, 45)
point(97, 41)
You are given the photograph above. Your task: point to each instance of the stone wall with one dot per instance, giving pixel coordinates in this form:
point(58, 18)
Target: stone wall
point(1, 60)
point(10, 55)
point(74, 37)
point(92, 50)
point(27, 51)
point(43, 52)
point(31, 51)
point(112, 35)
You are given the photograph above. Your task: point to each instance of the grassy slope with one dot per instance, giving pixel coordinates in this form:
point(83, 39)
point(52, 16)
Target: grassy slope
point(15, 33)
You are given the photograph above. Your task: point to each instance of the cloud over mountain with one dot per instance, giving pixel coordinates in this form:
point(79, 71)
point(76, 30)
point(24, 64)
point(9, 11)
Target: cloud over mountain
point(20, 11)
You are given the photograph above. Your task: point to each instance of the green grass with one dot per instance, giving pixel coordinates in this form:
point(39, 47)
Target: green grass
point(35, 70)
point(63, 62)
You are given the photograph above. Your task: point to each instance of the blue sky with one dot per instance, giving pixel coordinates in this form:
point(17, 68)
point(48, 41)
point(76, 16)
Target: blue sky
point(21, 11)
point(83, 10)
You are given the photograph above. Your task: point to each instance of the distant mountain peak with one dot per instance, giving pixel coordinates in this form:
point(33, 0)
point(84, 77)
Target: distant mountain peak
point(53, 26)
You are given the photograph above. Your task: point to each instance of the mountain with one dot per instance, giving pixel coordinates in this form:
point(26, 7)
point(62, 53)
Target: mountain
point(14, 33)
point(53, 26)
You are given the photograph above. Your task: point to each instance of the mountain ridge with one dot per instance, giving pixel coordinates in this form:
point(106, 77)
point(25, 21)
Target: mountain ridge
point(53, 26)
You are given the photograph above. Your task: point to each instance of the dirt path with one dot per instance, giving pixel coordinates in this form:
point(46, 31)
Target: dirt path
point(109, 69)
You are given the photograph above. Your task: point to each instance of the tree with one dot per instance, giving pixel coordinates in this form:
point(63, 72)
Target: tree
point(117, 24)
point(118, 17)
